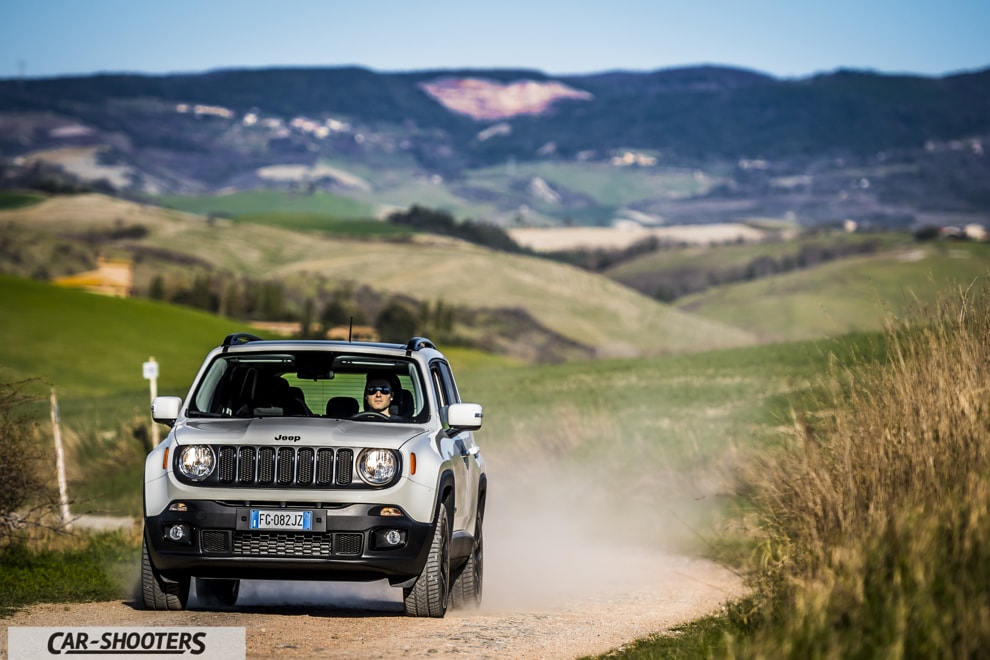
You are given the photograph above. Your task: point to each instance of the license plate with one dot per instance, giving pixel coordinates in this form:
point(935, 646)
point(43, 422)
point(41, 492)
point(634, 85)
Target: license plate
point(281, 519)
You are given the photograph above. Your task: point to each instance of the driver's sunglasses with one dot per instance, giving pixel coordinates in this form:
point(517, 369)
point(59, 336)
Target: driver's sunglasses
point(384, 389)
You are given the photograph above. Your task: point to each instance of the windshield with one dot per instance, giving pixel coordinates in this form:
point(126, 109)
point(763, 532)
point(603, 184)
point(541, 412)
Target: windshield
point(310, 383)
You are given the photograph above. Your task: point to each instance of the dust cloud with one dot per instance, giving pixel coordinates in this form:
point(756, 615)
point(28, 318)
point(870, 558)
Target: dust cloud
point(554, 537)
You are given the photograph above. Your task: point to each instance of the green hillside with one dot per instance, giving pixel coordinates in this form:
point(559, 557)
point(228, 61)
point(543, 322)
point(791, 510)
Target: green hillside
point(855, 294)
point(91, 347)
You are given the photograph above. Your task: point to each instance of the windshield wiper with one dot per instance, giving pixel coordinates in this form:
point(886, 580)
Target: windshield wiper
point(200, 413)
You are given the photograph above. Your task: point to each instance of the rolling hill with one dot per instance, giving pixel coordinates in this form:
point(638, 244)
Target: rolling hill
point(565, 310)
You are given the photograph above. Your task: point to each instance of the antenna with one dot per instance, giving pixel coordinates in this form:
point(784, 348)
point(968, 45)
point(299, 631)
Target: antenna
point(350, 330)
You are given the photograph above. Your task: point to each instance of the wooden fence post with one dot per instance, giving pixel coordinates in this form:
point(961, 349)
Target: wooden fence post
point(63, 496)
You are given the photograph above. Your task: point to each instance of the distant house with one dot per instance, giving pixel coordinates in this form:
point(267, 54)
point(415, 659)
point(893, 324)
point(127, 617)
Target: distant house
point(112, 277)
point(282, 328)
point(340, 332)
point(975, 232)
point(356, 333)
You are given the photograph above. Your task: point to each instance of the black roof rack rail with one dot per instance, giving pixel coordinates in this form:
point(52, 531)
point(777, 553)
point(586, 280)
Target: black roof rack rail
point(239, 338)
point(417, 343)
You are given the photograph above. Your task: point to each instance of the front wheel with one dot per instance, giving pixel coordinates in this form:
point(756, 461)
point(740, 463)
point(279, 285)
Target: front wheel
point(429, 595)
point(157, 593)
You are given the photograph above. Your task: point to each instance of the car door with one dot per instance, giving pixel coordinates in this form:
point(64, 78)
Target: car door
point(462, 450)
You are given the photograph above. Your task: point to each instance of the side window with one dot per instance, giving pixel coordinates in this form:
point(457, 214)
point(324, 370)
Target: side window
point(443, 383)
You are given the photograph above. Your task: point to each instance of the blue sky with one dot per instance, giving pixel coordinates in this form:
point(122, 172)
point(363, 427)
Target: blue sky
point(786, 38)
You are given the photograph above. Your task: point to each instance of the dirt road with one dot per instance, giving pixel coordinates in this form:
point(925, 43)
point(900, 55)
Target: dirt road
point(293, 621)
point(562, 580)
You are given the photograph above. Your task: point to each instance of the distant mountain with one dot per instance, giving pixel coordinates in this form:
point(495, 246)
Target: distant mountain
point(215, 131)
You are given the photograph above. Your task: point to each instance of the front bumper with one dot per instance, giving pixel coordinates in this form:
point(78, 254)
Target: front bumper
point(346, 543)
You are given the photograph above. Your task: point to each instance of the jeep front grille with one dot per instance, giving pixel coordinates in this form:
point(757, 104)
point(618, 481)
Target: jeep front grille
point(284, 467)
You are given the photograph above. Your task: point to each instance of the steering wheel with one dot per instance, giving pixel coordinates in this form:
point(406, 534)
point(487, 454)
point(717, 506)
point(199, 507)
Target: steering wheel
point(370, 415)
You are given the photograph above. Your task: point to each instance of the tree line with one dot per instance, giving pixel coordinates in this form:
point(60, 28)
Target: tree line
point(395, 318)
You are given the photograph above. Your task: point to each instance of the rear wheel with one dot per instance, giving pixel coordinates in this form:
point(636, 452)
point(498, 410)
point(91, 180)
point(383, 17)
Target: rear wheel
point(466, 590)
point(217, 593)
point(429, 595)
point(157, 593)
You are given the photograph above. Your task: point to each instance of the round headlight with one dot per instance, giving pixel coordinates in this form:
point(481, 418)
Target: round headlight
point(196, 462)
point(377, 467)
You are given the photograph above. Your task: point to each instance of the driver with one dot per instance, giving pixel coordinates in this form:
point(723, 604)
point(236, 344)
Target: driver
point(379, 389)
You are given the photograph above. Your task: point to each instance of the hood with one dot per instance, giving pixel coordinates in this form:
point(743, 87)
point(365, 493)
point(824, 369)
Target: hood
point(296, 431)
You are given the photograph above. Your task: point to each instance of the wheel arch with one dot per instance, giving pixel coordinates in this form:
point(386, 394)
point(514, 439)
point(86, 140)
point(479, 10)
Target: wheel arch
point(446, 486)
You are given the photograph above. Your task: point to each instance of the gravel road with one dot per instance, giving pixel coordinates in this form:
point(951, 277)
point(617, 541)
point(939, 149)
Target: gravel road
point(287, 620)
point(558, 584)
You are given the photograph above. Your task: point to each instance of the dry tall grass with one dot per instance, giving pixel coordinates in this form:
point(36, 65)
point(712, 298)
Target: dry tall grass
point(877, 514)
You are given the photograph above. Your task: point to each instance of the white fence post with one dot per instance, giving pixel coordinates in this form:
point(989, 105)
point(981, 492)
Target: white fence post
point(60, 464)
point(150, 369)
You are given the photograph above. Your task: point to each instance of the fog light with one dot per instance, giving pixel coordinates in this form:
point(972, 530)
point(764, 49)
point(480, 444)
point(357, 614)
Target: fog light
point(386, 539)
point(179, 534)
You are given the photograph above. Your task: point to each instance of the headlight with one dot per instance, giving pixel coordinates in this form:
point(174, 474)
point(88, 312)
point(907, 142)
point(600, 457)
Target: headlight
point(196, 462)
point(377, 467)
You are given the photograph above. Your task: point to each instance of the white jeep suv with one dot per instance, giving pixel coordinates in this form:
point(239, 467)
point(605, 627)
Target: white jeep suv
point(283, 463)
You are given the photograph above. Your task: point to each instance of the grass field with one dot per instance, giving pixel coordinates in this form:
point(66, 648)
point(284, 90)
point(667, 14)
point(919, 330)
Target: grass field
point(849, 295)
point(609, 186)
point(270, 202)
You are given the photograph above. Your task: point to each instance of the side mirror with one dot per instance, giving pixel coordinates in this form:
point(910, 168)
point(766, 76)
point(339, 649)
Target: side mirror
point(165, 409)
point(464, 416)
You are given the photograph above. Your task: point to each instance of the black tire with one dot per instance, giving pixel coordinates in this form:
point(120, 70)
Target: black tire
point(156, 592)
point(430, 594)
point(465, 593)
point(217, 593)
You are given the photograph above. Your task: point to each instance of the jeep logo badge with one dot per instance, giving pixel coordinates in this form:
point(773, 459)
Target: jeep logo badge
point(287, 438)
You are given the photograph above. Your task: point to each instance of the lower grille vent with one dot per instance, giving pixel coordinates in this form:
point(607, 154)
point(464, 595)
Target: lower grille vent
point(347, 544)
point(292, 544)
point(216, 541)
point(282, 544)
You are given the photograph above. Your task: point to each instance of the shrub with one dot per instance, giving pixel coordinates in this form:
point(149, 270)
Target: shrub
point(27, 497)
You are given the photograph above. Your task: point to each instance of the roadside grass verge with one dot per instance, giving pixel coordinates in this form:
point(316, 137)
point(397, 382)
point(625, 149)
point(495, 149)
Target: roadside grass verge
point(703, 638)
point(81, 567)
point(875, 521)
